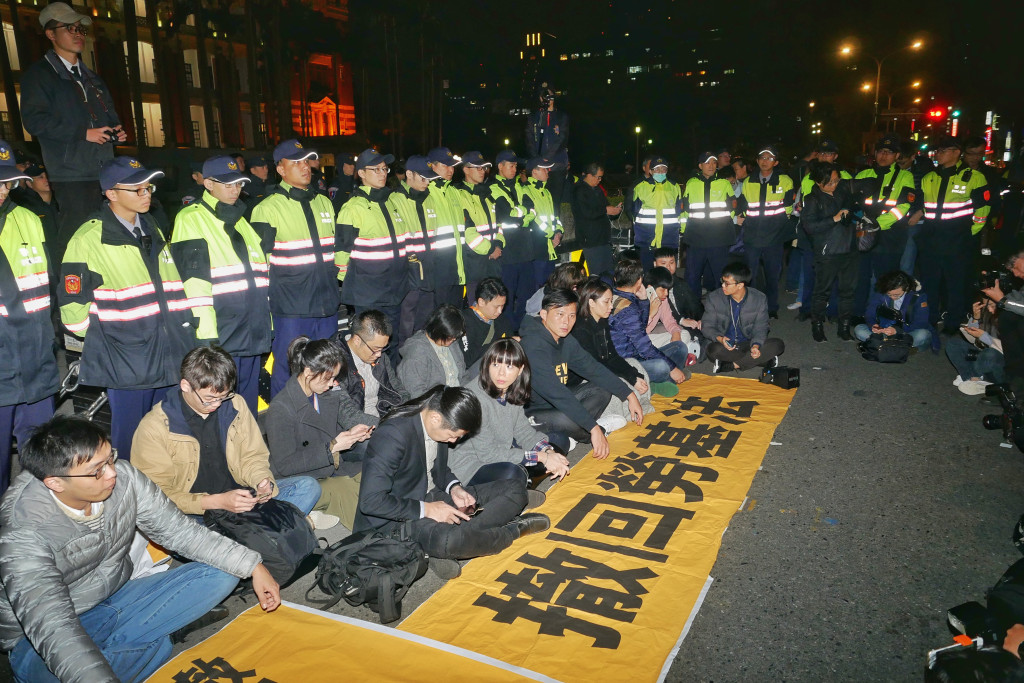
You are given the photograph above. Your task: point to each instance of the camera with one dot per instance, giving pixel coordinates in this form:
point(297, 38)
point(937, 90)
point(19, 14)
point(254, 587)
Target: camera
point(890, 313)
point(987, 279)
point(781, 376)
point(1011, 420)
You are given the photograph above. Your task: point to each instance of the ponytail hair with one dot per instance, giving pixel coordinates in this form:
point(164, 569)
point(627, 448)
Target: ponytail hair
point(319, 356)
point(458, 407)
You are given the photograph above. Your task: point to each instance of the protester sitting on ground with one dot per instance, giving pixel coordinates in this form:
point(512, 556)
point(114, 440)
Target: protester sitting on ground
point(68, 610)
point(203, 448)
point(1011, 327)
point(368, 382)
point(484, 321)
point(631, 313)
point(554, 354)
point(686, 308)
point(507, 446)
point(900, 294)
point(663, 327)
point(735, 323)
point(432, 356)
point(564, 276)
point(977, 355)
point(592, 332)
point(312, 432)
point(407, 483)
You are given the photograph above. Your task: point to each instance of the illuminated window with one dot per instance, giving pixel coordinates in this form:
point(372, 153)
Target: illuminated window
point(563, 58)
point(729, 71)
point(609, 81)
point(575, 55)
point(609, 53)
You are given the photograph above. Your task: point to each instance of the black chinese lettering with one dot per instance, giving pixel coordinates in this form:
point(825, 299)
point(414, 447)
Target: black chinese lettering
point(650, 474)
point(553, 620)
point(702, 440)
point(217, 669)
point(713, 407)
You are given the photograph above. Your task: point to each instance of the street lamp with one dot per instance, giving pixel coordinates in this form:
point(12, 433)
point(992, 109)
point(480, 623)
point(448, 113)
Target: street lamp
point(506, 142)
point(846, 50)
point(636, 161)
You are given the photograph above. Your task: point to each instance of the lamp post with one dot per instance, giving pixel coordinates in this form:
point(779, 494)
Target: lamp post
point(636, 161)
point(847, 50)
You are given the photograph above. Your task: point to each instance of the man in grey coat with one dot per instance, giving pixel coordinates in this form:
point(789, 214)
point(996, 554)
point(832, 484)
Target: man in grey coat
point(68, 610)
point(736, 323)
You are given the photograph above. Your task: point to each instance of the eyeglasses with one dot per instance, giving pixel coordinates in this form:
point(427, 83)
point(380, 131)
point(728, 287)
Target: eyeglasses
point(141, 191)
point(10, 184)
point(382, 170)
point(375, 350)
point(726, 283)
point(98, 473)
point(213, 401)
point(73, 29)
point(766, 157)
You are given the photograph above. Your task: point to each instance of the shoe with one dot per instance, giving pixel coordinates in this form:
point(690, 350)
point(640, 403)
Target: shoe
point(843, 329)
point(793, 306)
point(804, 316)
point(445, 569)
point(321, 520)
point(973, 387)
point(721, 367)
point(857, 320)
point(666, 389)
point(958, 381)
point(609, 423)
point(534, 499)
point(773, 363)
point(818, 331)
point(572, 444)
point(216, 614)
point(773, 314)
point(691, 360)
point(530, 523)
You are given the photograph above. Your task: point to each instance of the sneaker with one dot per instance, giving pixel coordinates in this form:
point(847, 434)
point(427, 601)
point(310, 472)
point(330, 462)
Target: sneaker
point(958, 381)
point(609, 423)
point(973, 387)
point(691, 359)
point(572, 444)
point(793, 306)
point(666, 389)
point(321, 520)
point(445, 569)
point(773, 363)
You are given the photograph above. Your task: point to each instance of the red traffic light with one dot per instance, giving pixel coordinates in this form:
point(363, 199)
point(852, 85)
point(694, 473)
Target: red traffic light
point(936, 113)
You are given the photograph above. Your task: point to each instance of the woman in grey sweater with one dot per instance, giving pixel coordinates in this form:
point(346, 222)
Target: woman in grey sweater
point(506, 443)
point(432, 356)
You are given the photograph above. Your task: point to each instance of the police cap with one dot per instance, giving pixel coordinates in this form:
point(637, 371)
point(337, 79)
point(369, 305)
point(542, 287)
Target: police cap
point(538, 162)
point(418, 164)
point(890, 142)
point(8, 165)
point(371, 157)
point(223, 169)
point(292, 150)
point(508, 156)
point(443, 155)
point(475, 159)
point(125, 171)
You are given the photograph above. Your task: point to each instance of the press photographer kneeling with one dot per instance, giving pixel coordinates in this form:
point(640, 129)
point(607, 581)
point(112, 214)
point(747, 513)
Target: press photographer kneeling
point(1009, 298)
point(896, 319)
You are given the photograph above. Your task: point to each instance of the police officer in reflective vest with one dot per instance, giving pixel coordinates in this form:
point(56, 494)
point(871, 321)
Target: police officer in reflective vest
point(657, 206)
point(708, 230)
point(516, 255)
point(121, 290)
point(28, 367)
point(542, 218)
point(296, 226)
point(481, 256)
point(956, 206)
point(766, 200)
point(448, 290)
point(372, 243)
point(220, 258)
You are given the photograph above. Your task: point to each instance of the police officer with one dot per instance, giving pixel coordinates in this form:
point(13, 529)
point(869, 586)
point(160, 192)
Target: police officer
point(36, 195)
point(956, 205)
point(258, 175)
point(120, 289)
point(220, 258)
point(28, 367)
point(344, 181)
point(657, 206)
point(542, 219)
point(448, 247)
point(481, 256)
point(193, 192)
point(766, 202)
point(517, 254)
point(372, 243)
point(296, 227)
point(708, 229)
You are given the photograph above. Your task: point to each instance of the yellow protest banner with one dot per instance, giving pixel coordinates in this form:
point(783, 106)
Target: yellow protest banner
point(607, 592)
point(296, 643)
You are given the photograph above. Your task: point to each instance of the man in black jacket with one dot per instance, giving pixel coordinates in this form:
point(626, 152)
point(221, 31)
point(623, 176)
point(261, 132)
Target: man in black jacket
point(593, 226)
point(371, 385)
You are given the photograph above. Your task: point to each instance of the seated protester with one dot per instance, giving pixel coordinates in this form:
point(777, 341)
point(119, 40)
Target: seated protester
point(663, 327)
point(631, 313)
point(735, 323)
point(896, 308)
point(977, 355)
point(431, 356)
point(506, 444)
point(368, 382)
point(203, 448)
point(407, 484)
point(312, 432)
point(554, 354)
point(68, 610)
point(564, 276)
point(484, 321)
point(686, 308)
point(592, 332)
point(1010, 304)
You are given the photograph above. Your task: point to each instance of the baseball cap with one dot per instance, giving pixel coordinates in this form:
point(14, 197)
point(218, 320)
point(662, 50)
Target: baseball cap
point(62, 12)
point(371, 157)
point(771, 149)
point(292, 150)
point(443, 155)
point(658, 161)
point(828, 146)
point(475, 159)
point(256, 161)
point(223, 169)
point(35, 170)
point(889, 142)
point(418, 164)
point(125, 171)
point(721, 151)
point(948, 142)
point(508, 155)
point(538, 162)
point(705, 157)
point(8, 164)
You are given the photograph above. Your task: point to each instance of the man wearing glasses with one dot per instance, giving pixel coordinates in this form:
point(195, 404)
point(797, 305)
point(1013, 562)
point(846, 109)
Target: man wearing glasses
point(296, 225)
point(120, 289)
point(370, 384)
point(220, 258)
point(68, 610)
point(69, 109)
point(735, 323)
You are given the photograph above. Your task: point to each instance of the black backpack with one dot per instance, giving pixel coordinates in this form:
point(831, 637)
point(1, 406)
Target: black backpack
point(882, 349)
point(375, 569)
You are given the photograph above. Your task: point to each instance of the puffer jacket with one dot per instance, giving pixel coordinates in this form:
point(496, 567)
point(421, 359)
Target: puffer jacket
point(628, 324)
point(47, 558)
point(829, 238)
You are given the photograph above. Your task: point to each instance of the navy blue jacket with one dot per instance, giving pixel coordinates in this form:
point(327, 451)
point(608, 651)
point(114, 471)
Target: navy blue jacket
point(915, 311)
point(629, 329)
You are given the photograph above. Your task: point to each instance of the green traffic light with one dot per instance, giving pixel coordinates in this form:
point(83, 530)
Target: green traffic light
point(924, 146)
point(956, 113)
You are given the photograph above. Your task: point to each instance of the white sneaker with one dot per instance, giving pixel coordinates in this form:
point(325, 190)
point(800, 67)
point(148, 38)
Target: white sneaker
point(609, 423)
point(973, 387)
point(958, 381)
point(572, 444)
point(322, 520)
point(793, 306)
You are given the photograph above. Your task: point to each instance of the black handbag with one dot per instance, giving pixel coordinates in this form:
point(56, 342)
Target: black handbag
point(276, 529)
point(883, 349)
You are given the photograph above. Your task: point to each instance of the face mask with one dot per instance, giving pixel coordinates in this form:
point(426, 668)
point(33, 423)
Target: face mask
point(659, 177)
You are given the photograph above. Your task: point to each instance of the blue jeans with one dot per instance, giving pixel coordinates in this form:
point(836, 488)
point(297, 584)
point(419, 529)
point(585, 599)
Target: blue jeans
point(988, 365)
point(921, 338)
point(658, 369)
point(302, 492)
point(132, 627)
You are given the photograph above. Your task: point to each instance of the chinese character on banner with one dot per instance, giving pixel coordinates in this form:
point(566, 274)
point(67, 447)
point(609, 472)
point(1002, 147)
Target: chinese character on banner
point(650, 474)
point(711, 408)
point(217, 669)
point(704, 441)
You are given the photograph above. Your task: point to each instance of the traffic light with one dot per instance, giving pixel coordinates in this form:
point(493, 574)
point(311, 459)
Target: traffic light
point(936, 113)
point(956, 114)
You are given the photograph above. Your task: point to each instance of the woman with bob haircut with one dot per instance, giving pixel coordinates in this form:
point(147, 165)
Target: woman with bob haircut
point(433, 355)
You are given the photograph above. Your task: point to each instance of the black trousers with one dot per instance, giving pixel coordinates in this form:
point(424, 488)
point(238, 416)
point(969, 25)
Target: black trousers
point(873, 264)
point(594, 400)
point(486, 533)
point(740, 355)
point(76, 201)
point(944, 276)
point(839, 268)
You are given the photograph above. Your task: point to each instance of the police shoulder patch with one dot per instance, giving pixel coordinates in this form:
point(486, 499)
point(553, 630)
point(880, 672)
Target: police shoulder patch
point(72, 284)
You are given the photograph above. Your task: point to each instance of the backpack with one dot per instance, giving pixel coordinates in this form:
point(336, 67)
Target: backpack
point(893, 349)
point(375, 569)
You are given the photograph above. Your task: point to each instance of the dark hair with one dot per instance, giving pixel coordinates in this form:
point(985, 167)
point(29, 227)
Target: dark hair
point(908, 149)
point(592, 168)
point(557, 298)
point(51, 25)
point(565, 276)
point(739, 271)
point(974, 141)
point(458, 407)
point(509, 352)
point(209, 367)
point(989, 663)
point(629, 254)
point(590, 290)
point(665, 252)
point(60, 444)
point(627, 272)
point(739, 160)
point(489, 288)
point(658, 277)
point(370, 324)
point(727, 172)
point(320, 356)
point(446, 322)
point(896, 279)
point(821, 171)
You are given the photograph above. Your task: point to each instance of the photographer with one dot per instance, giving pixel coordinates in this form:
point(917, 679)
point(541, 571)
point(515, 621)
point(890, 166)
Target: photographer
point(897, 310)
point(978, 354)
point(1011, 327)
